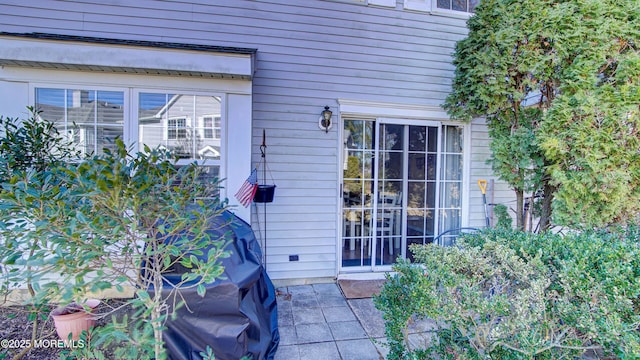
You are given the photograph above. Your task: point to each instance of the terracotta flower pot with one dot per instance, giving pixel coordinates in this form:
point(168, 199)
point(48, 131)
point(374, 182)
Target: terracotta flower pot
point(73, 319)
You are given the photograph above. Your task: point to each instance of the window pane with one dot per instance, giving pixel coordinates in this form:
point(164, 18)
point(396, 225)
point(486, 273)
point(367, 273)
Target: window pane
point(107, 137)
point(151, 118)
point(207, 147)
point(51, 103)
point(431, 166)
point(389, 194)
point(416, 166)
point(416, 195)
point(452, 167)
point(452, 142)
point(431, 195)
point(449, 220)
point(359, 165)
point(391, 165)
point(450, 194)
point(417, 138)
point(473, 4)
point(78, 113)
point(358, 134)
point(444, 4)
point(459, 5)
point(80, 109)
point(432, 142)
point(110, 107)
point(187, 125)
point(391, 137)
point(419, 222)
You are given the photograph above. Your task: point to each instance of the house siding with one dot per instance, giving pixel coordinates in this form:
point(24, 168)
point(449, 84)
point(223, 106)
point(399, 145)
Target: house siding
point(310, 53)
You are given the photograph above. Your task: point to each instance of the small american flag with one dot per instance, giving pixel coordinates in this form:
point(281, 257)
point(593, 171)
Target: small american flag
point(248, 189)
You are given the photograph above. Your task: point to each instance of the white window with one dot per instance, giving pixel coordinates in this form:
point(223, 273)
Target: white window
point(457, 5)
point(211, 126)
point(176, 128)
point(93, 118)
point(451, 7)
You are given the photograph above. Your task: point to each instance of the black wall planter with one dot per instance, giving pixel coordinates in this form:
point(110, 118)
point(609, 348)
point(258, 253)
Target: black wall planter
point(264, 194)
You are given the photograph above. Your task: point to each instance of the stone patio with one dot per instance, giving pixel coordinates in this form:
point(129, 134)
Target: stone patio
point(317, 322)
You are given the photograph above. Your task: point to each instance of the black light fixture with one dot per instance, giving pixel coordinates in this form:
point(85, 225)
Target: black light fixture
point(325, 119)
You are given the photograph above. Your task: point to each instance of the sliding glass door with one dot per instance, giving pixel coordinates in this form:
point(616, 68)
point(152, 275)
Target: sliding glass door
point(402, 183)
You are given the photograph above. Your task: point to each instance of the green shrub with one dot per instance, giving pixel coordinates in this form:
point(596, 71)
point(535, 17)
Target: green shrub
point(514, 295)
point(70, 230)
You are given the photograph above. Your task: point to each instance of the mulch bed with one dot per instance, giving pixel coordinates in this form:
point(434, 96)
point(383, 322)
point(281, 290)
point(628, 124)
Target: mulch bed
point(16, 328)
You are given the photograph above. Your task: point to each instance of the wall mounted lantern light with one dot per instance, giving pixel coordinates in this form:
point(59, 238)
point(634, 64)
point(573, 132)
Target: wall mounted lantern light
point(325, 120)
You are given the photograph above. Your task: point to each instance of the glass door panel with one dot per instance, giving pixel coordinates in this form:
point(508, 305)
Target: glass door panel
point(390, 179)
point(421, 185)
point(450, 196)
point(357, 191)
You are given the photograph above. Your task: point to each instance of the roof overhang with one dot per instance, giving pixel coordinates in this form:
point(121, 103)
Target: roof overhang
point(48, 51)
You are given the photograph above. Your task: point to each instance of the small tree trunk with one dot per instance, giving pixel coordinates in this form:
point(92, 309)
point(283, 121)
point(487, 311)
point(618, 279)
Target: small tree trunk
point(157, 333)
point(546, 210)
point(156, 313)
point(34, 324)
point(519, 209)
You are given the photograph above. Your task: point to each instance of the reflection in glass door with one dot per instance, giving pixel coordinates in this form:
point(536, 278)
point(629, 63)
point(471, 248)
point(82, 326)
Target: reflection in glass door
point(401, 184)
point(357, 191)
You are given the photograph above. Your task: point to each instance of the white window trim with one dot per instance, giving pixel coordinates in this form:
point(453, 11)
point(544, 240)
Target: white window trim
point(418, 5)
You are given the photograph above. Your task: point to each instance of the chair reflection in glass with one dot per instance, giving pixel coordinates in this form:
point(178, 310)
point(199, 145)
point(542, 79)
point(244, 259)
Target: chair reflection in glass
point(352, 228)
point(389, 219)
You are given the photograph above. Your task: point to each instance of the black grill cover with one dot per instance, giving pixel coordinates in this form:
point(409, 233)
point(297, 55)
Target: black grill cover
point(238, 315)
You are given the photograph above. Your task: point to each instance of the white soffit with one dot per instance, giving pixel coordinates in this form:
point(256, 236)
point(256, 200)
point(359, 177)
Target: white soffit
point(125, 58)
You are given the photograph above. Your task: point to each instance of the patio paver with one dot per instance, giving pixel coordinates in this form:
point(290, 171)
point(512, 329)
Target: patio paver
point(357, 350)
point(347, 330)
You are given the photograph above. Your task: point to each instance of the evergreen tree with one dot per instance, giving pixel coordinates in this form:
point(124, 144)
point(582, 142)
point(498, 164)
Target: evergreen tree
point(559, 85)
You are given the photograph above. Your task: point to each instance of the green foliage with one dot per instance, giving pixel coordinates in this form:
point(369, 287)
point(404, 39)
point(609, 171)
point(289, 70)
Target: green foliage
point(32, 144)
point(591, 134)
point(29, 150)
point(513, 295)
point(71, 230)
point(402, 301)
point(504, 220)
point(559, 85)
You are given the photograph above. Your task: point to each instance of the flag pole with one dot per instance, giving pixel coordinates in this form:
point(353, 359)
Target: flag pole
point(263, 149)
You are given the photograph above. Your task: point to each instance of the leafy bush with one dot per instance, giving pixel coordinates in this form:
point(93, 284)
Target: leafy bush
point(514, 295)
point(70, 230)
